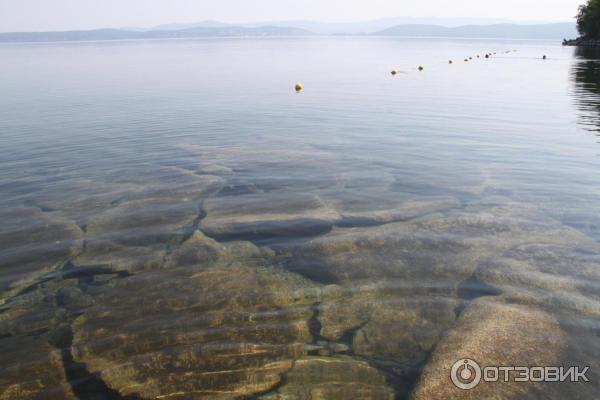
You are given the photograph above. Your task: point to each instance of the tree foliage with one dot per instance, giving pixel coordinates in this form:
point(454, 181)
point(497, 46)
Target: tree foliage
point(588, 19)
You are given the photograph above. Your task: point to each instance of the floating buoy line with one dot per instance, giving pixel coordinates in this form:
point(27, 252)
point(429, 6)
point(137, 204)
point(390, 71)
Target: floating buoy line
point(394, 71)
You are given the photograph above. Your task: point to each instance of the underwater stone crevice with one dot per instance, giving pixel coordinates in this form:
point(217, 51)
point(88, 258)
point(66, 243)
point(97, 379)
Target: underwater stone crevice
point(314, 324)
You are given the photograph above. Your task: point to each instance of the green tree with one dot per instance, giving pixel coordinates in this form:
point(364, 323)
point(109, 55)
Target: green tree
point(588, 19)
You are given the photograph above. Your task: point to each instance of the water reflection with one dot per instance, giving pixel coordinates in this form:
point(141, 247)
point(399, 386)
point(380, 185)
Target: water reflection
point(585, 76)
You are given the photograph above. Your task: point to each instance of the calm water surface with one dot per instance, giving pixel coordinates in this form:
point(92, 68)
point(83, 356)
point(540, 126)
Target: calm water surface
point(178, 223)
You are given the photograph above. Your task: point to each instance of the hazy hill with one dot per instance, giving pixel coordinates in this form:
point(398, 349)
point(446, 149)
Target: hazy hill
point(119, 34)
point(203, 24)
point(352, 28)
point(506, 31)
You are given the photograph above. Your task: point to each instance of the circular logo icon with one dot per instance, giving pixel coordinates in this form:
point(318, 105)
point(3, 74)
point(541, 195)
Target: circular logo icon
point(465, 374)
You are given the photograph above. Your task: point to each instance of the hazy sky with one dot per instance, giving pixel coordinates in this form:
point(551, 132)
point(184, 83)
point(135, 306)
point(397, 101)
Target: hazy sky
point(35, 15)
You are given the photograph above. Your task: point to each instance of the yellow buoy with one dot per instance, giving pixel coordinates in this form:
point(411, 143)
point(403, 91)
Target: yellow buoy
point(421, 68)
point(299, 87)
point(394, 72)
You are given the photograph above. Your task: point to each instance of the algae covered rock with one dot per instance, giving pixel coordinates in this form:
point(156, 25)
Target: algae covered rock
point(192, 333)
point(332, 378)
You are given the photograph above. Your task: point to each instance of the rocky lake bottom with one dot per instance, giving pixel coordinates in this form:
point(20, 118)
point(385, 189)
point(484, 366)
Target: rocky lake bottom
point(192, 283)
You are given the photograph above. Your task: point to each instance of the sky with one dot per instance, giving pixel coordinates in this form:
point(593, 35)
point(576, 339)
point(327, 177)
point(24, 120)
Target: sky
point(42, 15)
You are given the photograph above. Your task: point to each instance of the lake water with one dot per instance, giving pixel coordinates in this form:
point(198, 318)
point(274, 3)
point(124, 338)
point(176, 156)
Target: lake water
point(177, 222)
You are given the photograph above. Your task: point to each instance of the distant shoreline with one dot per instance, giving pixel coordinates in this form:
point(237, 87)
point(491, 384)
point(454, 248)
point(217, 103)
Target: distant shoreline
point(497, 31)
point(268, 37)
point(583, 42)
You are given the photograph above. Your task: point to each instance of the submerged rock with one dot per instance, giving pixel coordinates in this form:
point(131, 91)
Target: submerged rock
point(77, 199)
point(293, 168)
point(561, 276)
point(332, 378)
point(120, 258)
point(393, 327)
point(376, 208)
point(495, 334)
point(440, 250)
point(32, 243)
point(261, 216)
point(221, 333)
point(32, 369)
point(167, 182)
point(32, 313)
point(144, 222)
point(200, 250)
point(215, 169)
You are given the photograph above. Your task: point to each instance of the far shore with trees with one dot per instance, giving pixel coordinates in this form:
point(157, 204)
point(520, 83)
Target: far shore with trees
point(588, 25)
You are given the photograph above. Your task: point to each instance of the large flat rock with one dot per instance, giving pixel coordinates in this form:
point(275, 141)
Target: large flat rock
point(221, 333)
point(365, 208)
point(269, 215)
point(440, 249)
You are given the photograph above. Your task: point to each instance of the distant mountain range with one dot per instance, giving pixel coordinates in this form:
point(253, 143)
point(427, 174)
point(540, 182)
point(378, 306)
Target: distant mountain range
point(372, 26)
point(401, 26)
point(506, 31)
point(121, 34)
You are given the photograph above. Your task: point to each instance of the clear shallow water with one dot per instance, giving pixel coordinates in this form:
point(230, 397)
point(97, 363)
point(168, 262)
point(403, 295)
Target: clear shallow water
point(178, 222)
